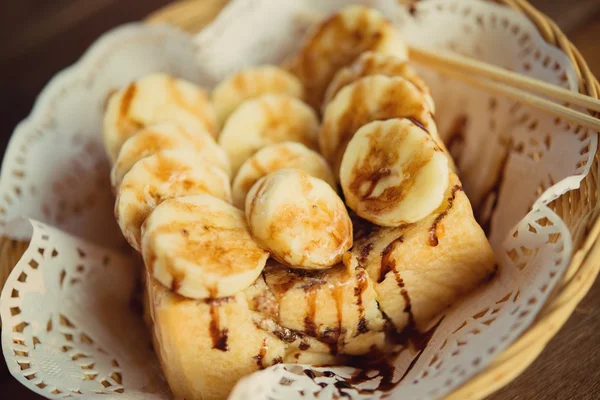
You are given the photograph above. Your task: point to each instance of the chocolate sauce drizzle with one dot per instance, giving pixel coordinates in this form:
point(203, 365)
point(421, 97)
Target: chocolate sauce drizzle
point(433, 239)
point(388, 264)
point(384, 369)
point(364, 253)
point(304, 346)
point(338, 294)
point(380, 362)
point(361, 286)
point(329, 337)
point(383, 363)
point(219, 336)
point(310, 325)
point(288, 335)
point(261, 354)
point(175, 284)
point(419, 341)
point(417, 123)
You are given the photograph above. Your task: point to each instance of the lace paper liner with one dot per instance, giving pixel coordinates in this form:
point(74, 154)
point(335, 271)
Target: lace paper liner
point(69, 326)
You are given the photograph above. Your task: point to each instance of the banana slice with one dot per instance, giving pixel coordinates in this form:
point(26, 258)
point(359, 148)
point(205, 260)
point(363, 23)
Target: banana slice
point(154, 99)
point(200, 247)
point(268, 119)
point(300, 219)
point(393, 173)
point(371, 98)
point(337, 42)
point(164, 137)
point(163, 175)
point(373, 63)
point(250, 83)
point(274, 157)
point(206, 346)
point(335, 306)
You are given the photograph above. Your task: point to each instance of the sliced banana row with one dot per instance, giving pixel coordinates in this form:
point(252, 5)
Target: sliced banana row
point(164, 175)
point(153, 99)
point(200, 247)
point(168, 161)
point(163, 137)
point(300, 219)
point(393, 173)
point(337, 42)
point(159, 135)
point(265, 120)
point(228, 95)
point(274, 157)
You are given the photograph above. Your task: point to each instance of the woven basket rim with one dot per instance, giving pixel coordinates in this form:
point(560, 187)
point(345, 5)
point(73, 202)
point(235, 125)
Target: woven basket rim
point(191, 15)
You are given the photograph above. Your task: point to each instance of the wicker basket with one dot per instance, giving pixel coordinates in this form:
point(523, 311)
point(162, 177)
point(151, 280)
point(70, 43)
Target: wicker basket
point(582, 204)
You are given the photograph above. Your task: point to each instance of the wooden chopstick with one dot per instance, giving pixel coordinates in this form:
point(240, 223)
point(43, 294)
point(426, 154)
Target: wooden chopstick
point(524, 97)
point(477, 68)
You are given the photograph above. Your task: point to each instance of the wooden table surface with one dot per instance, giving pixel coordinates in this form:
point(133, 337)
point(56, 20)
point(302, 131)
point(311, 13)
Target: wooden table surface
point(39, 38)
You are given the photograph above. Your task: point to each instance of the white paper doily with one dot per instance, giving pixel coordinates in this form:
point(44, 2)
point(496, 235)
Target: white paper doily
point(68, 325)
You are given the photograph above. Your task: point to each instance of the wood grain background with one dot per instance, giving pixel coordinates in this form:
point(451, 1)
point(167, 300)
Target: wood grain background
point(39, 38)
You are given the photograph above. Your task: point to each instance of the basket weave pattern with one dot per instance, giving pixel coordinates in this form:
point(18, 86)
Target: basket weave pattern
point(578, 208)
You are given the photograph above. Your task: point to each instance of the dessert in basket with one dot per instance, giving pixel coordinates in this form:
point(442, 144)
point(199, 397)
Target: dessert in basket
point(253, 254)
